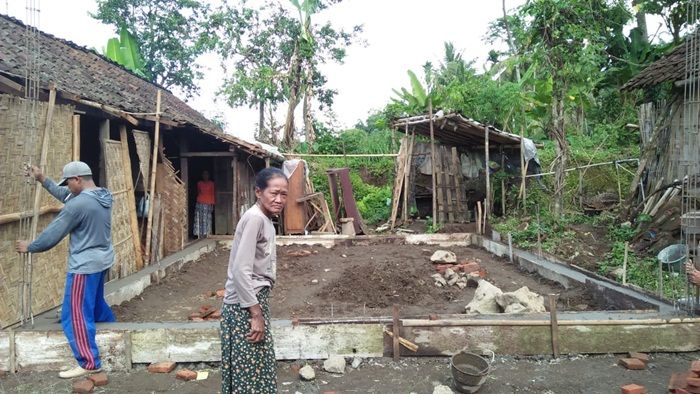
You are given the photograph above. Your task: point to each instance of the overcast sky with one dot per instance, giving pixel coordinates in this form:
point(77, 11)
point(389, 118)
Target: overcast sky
point(400, 35)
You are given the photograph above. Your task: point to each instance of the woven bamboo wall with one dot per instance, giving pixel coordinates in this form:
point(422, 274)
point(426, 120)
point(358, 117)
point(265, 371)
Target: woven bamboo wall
point(174, 204)
point(125, 256)
point(49, 267)
point(143, 150)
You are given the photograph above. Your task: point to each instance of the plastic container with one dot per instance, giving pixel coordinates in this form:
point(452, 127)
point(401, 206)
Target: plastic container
point(673, 257)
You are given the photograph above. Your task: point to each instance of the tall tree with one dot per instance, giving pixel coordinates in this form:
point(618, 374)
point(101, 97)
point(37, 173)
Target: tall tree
point(170, 35)
point(272, 57)
point(567, 40)
point(673, 12)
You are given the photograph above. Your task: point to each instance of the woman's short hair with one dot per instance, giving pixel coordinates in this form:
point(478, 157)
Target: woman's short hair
point(264, 176)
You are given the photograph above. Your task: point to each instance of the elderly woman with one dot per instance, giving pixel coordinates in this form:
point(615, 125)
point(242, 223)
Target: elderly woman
point(247, 352)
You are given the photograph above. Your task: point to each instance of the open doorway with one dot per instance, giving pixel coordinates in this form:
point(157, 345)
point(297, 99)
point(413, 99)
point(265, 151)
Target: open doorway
point(221, 173)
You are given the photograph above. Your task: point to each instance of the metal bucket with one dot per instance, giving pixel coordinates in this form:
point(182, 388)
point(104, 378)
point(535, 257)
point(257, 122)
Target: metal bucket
point(469, 371)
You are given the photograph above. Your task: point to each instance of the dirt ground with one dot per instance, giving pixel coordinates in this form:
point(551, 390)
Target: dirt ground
point(345, 281)
point(543, 375)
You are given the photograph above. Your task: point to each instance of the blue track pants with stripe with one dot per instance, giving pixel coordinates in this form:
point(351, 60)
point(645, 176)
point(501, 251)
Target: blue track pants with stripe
point(83, 306)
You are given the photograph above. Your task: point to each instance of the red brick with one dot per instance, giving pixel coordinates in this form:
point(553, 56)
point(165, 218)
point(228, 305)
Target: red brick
point(295, 322)
point(677, 380)
point(692, 389)
point(162, 367)
point(469, 268)
point(432, 317)
point(194, 315)
point(695, 382)
point(220, 293)
point(295, 369)
point(640, 356)
point(208, 313)
point(83, 386)
point(632, 363)
point(215, 315)
point(204, 309)
point(695, 366)
point(633, 389)
point(100, 379)
point(186, 374)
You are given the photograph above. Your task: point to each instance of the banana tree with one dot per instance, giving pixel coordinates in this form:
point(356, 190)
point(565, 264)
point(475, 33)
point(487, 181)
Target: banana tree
point(125, 51)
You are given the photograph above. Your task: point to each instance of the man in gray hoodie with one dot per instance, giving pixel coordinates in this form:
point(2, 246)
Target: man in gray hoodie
point(87, 217)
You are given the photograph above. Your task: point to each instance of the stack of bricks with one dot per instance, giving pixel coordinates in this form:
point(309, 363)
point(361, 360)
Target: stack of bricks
point(206, 312)
point(635, 361)
point(686, 382)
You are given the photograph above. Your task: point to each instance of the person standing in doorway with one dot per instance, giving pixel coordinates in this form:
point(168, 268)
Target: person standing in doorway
point(204, 209)
point(87, 217)
point(247, 350)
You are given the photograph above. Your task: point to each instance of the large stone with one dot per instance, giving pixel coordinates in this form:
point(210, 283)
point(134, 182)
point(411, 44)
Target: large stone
point(443, 256)
point(334, 364)
point(439, 280)
point(484, 301)
point(449, 273)
point(356, 361)
point(530, 301)
point(307, 372)
point(442, 389)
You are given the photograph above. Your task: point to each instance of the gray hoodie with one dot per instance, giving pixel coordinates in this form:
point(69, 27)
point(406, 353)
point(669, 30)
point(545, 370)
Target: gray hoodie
point(87, 217)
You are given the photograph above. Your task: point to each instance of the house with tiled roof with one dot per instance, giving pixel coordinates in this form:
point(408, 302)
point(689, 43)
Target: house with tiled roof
point(61, 102)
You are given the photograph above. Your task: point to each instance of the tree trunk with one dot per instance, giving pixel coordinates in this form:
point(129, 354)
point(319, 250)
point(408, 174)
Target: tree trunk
point(558, 134)
point(261, 121)
point(294, 87)
point(641, 21)
point(511, 44)
point(308, 111)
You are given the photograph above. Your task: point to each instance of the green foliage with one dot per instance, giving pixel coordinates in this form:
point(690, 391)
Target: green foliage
point(170, 34)
point(125, 51)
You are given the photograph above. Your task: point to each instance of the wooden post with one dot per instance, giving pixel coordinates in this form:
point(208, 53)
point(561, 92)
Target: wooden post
point(235, 189)
point(457, 173)
point(152, 187)
point(407, 175)
point(539, 232)
point(76, 137)
point(619, 185)
point(487, 201)
point(396, 331)
point(624, 264)
point(103, 136)
point(554, 324)
point(580, 189)
point(503, 183)
point(510, 247)
point(479, 216)
point(432, 161)
point(267, 162)
point(126, 163)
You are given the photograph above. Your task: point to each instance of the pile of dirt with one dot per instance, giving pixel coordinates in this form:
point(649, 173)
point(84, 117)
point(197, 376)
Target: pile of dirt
point(380, 286)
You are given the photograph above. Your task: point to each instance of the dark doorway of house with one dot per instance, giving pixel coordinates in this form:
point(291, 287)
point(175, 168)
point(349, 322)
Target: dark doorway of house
point(220, 172)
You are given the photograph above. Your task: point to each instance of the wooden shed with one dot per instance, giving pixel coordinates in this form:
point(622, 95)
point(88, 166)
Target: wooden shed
point(75, 104)
point(446, 176)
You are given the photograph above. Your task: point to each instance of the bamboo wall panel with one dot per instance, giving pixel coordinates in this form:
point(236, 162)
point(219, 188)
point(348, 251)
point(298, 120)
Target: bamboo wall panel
point(143, 149)
point(173, 206)
point(15, 192)
point(125, 256)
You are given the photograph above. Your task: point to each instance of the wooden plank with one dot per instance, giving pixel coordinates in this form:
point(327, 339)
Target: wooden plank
point(398, 181)
point(448, 182)
point(76, 137)
point(207, 154)
point(396, 331)
point(294, 212)
point(131, 197)
point(407, 178)
point(487, 202)
point(439, 184)
point(432, 160)
point(457, 174)
point(152, 187)
point(103, 136)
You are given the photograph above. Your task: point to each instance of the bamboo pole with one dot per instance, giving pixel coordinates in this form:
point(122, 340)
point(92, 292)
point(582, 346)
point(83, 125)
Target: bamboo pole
point(396, 331)
point(619, 185)
point(76, 137)
point(487, 202)
point(17, 216)
point(503, 184)
point(37, 198)
point(432, 161)
point(152, 187)
point(523, 168)
point(340, 155)
point(606, 163)
point(126, 163)
point(624, 264)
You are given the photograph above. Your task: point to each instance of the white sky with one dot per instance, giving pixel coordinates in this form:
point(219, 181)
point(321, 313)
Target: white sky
point(400, 35)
